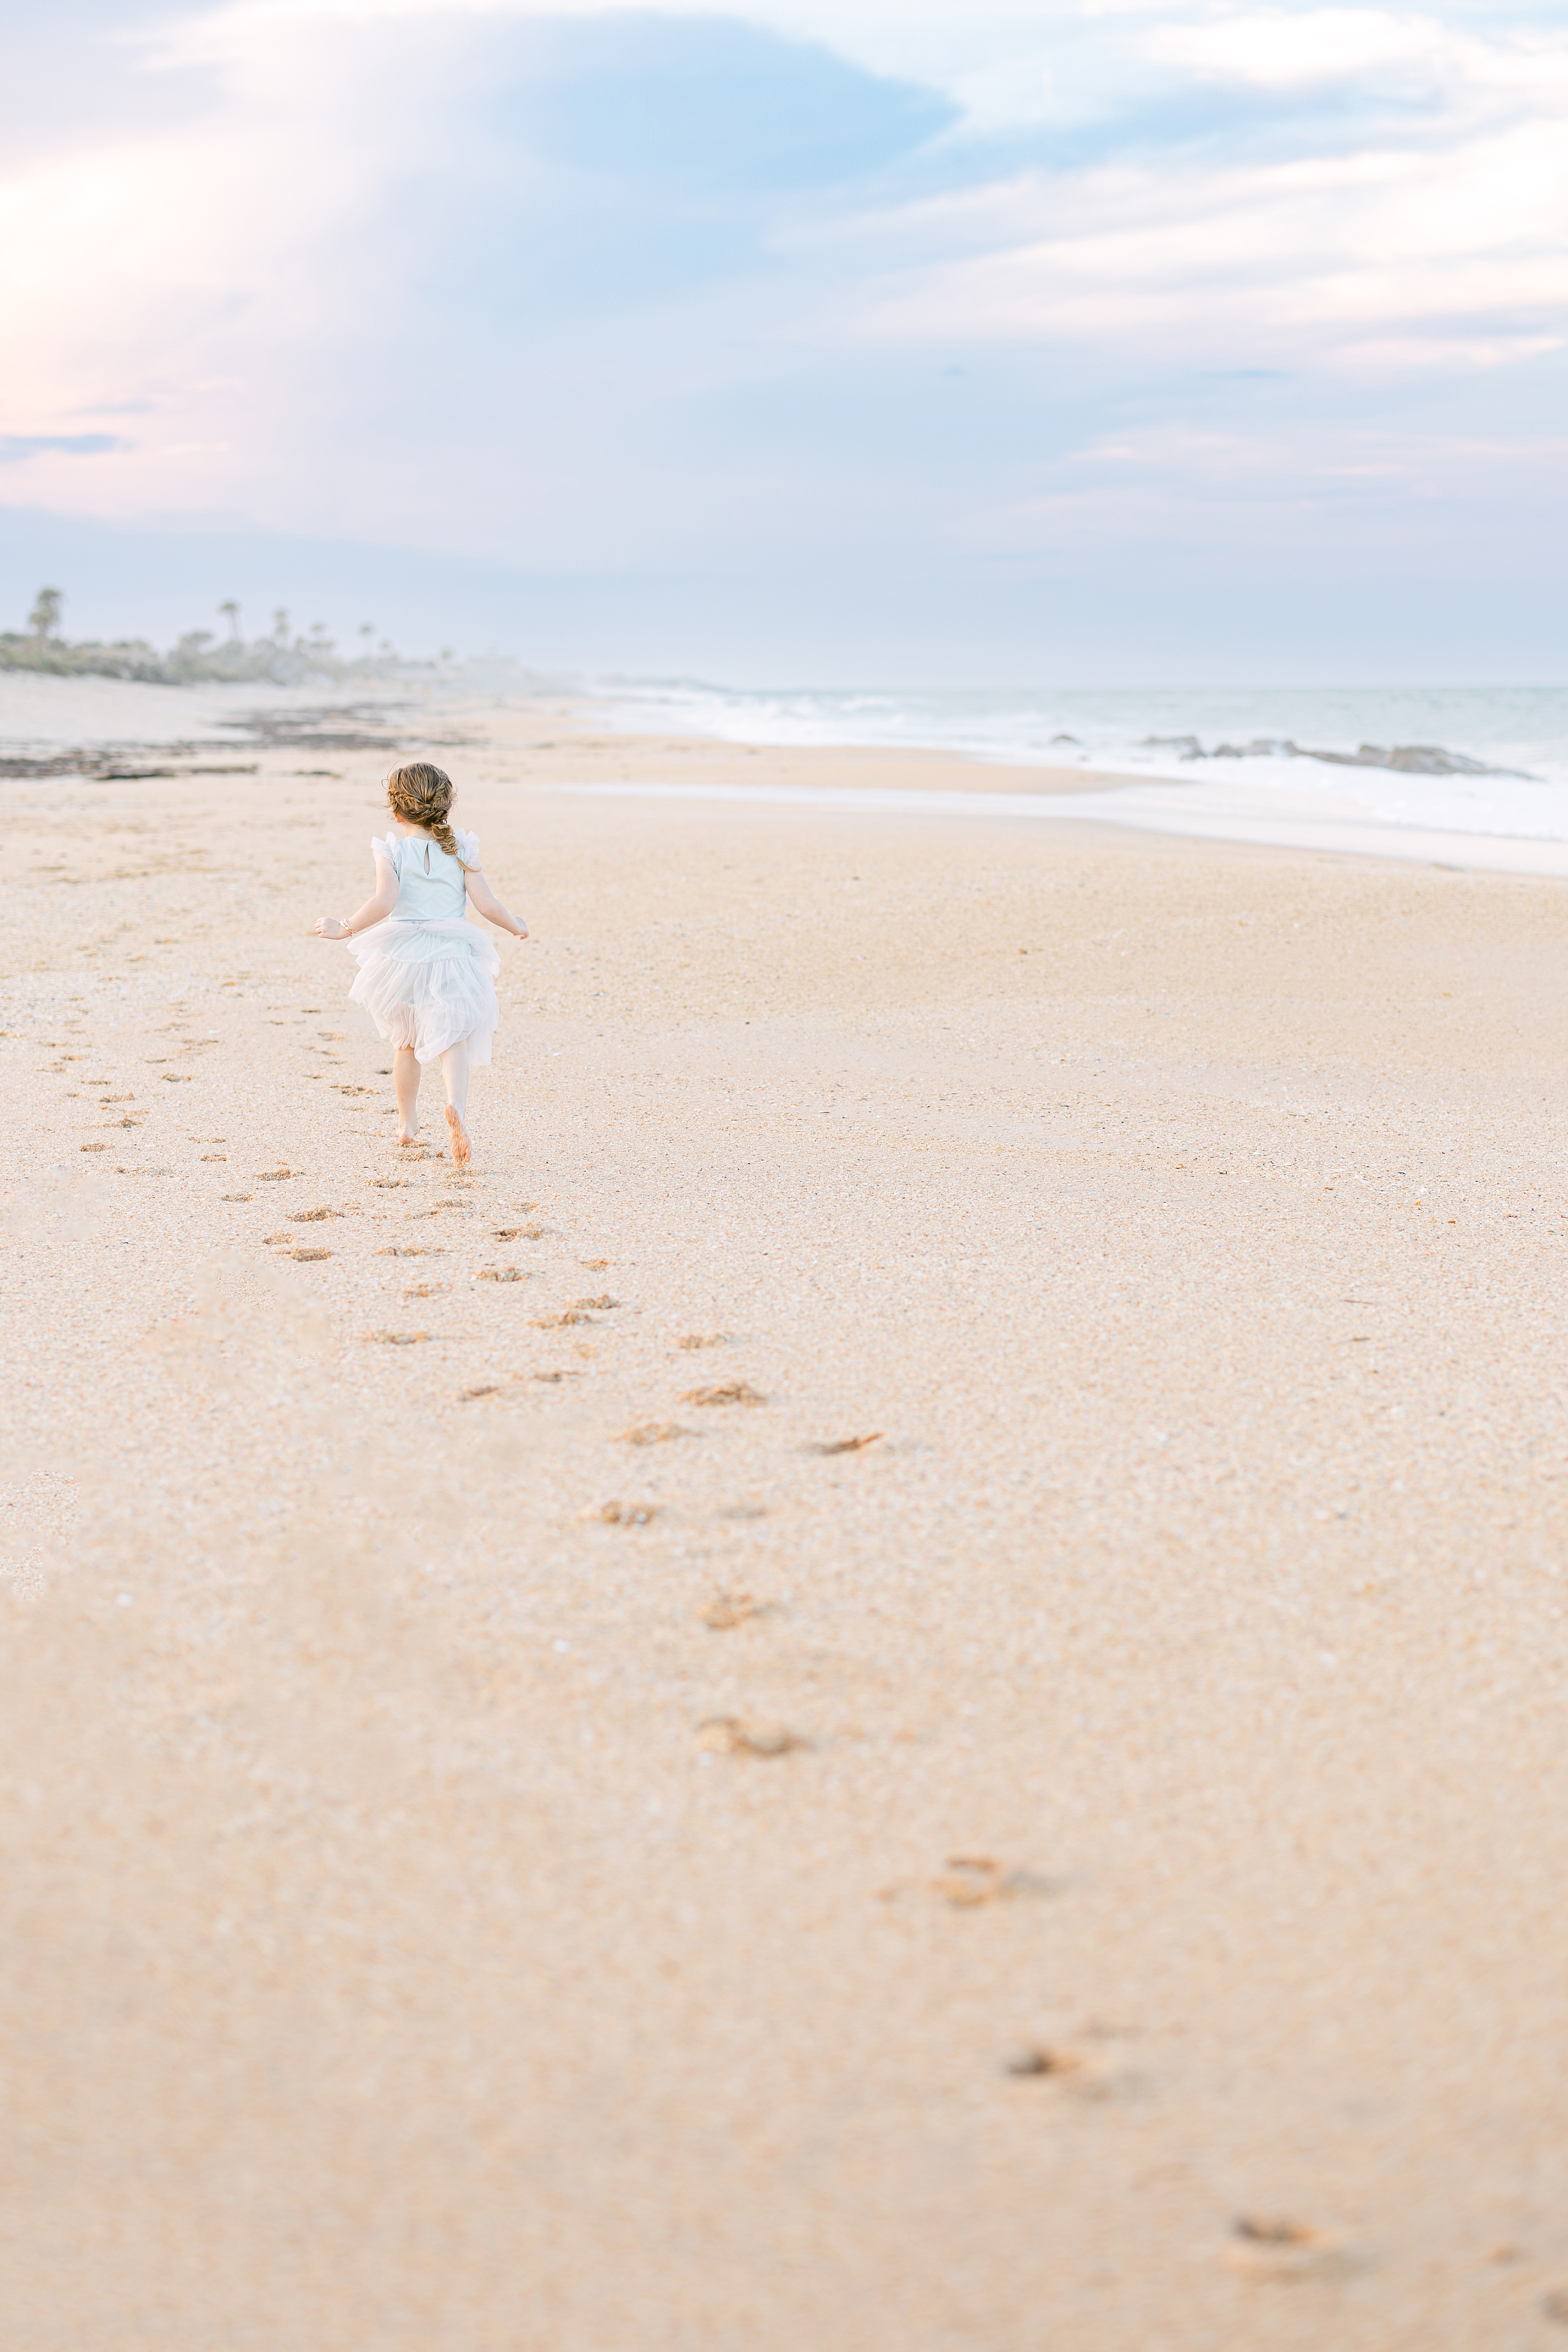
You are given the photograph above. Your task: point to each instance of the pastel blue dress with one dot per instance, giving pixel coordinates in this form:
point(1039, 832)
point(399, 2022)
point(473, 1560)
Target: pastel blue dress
point(427, 974)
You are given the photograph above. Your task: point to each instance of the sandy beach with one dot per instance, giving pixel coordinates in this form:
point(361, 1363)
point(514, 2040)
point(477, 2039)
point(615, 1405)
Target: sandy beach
point(896, 1686)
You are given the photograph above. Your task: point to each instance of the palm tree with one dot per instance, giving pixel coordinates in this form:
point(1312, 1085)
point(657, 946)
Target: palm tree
point(44, 617)
point(230, 612)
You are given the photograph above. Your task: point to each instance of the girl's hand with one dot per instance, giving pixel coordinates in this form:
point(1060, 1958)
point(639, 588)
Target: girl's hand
point(329, 927)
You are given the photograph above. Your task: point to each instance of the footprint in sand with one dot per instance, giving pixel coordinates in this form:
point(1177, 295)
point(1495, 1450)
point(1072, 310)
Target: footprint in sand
point(551, 1378)
point(845, 1444)
point(1278, 2248)
point(704, 1339)
point(621, 1515)
point(968, 1880)
point(395, 1339)
point(307, 1256)
point(501, 1274)
point(1082, 2075)
point(311, 1216)
point(573, 1316)
point(728, 1610)
point(597, 1265)
point(1033, 2060)
point(731, 1735)
point(729, 1392)
point(521, 1234)
point(654, 1433)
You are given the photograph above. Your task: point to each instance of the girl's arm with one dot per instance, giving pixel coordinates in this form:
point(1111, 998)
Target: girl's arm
point(481, 896)
point(375, 909)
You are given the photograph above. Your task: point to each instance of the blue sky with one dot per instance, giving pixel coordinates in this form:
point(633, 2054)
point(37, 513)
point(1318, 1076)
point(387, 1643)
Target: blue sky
point(1099, 341)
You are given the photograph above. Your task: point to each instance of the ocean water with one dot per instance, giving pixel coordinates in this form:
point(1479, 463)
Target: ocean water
point(1254, 764)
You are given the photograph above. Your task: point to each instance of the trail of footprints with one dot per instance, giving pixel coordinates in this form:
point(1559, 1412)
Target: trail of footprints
point(185, 1035)
point(125, 1111)
point(1256, 2248)
point(964, 1882)
point(1088, 2070)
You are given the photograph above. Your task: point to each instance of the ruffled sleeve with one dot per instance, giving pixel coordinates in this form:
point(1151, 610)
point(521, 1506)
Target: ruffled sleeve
point(467, 846)
point(387, 848)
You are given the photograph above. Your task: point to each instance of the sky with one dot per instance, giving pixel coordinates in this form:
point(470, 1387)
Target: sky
point(799, 342)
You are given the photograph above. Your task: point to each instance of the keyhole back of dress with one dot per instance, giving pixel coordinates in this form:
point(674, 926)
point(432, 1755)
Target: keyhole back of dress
point(426, 857)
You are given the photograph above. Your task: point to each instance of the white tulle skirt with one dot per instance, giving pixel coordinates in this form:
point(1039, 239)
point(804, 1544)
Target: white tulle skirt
point(428, 984)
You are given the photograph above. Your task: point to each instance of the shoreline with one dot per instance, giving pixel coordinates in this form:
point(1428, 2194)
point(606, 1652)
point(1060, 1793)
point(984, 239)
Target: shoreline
point(851, 780)
point(485, 737)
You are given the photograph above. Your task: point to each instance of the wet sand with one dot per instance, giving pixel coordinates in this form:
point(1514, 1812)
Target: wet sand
point(519, 1835)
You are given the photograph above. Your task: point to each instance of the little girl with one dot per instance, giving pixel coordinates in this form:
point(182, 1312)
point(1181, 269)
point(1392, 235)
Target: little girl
point(426, 973)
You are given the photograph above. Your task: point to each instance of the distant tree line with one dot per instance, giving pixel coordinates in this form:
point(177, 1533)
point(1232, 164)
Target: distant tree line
point(282, 658)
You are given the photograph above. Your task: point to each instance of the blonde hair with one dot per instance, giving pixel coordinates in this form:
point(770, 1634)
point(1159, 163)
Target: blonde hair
point(423, 795)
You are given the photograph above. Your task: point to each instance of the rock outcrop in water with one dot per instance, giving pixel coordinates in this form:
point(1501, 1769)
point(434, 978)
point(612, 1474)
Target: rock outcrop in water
point(1405, 759)
point(1409, 758)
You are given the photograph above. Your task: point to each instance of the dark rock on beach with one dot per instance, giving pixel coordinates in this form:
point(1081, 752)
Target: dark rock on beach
point(1403, 759)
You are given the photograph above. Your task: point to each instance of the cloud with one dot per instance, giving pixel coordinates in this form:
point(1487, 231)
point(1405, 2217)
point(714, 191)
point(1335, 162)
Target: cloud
point(1303, 49)
point(1385, 258)
point(608, 292)
point(16, 449)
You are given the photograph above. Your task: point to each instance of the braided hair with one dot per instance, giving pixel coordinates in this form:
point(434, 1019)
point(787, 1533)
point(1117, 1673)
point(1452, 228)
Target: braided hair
point(423, 795)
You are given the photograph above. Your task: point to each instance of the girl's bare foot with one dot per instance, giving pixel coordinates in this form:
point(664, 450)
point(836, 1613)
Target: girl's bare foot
point(462, 1150)
point(406, 1136)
